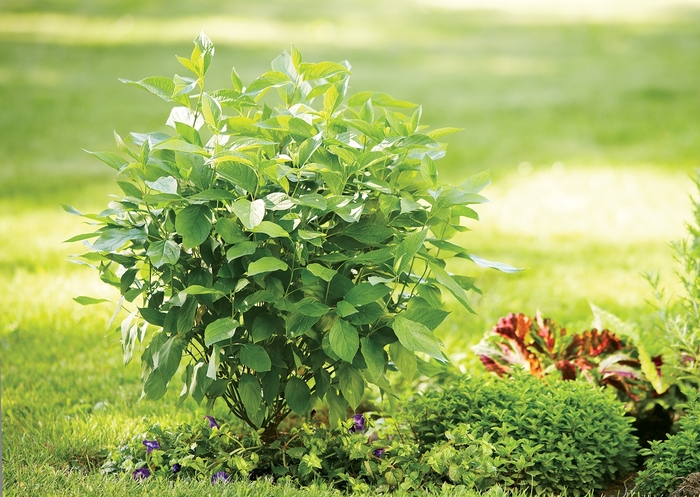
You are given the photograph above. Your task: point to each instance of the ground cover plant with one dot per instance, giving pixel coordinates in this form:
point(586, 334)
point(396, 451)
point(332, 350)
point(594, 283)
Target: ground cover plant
point(290, 252)
point(612, 99)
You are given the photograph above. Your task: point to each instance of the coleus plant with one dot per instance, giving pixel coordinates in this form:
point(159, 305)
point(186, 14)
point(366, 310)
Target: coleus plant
point(543, 348)
point(287, 253)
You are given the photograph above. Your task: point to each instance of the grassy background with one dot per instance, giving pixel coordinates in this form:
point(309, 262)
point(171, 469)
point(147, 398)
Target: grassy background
point(587, 120)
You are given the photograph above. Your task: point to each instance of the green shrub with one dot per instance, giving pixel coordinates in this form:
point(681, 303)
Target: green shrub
point(563, 436)
point(675, 458)
point(287, 252)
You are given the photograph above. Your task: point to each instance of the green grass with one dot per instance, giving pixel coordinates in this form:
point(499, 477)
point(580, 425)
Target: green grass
point(589, 128)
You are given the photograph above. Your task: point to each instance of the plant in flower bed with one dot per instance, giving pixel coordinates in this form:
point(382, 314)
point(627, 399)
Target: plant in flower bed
point(521, 432)
point(543, 348)
point(290, 252)
point(669, 461)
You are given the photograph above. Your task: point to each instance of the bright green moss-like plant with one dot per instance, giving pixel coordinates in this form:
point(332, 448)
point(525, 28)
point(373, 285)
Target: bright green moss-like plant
point(566, 436)
point(287, 252)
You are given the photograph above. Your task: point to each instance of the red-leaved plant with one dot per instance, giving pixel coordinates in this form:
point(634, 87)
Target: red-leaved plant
point(543, 348)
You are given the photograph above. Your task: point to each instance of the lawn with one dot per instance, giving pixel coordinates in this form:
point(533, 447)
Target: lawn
point(588, 125)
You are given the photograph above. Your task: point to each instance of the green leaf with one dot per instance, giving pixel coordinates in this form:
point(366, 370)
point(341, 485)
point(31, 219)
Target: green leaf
point(163, 252)
point(111, 159)
point(352, 384)
point(178, 145)
point(506, 268)
point(407, 249)
point(193, 223)
point(240, 249)
point(309, 306)
point(476, 183)
point(369, 233)
point(332, 99)
point(312, 71)
point(112, 239)
point(214, 362)
point(82, 300)
point(230, 231)
point(428, 171)
point(364, 293)
point(239, 174)
point(344, 309)
point(213, 194)
point(266, 265)
point(417, 337)
point(236, 80)
point(446, 280)
point(307, 149)
point(166, 184)
point(201, 290)
point(374, 357)
point(255, 357)
point(219, 330)
point(440, 132)
point(270, 79)
point(251, 395)
point(271, 229)
point(250, 213)
point(404, 359)
point(211, 109)
point(159, 86)
point(297, 394)
point(344, 340)
point(326, 274)
point(263, 327)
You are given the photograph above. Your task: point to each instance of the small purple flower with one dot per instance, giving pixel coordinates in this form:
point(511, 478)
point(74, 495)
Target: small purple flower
point(176, 468)
point(151, 445)
point(220, 477)
point(378, 452)
point(141, 473)
point(358, 425)
point(212, 422)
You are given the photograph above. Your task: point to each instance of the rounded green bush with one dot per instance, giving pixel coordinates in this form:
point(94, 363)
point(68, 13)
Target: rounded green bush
point(674, 458)
point(552, 437)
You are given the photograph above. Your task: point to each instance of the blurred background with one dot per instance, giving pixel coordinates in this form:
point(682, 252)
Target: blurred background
point(585, 112)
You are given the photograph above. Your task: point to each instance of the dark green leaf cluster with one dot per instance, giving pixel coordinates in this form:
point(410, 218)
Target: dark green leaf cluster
point(563, 436)
point(292, 252)
point(675, 458)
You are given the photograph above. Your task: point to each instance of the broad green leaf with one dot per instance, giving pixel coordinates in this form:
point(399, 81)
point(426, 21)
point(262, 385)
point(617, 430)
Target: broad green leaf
point(331, 99)
point(230, 231)
point(236, 80)
point(211, 110)
point(283, 63)
point(446, 280)
point(271, 229)
point(263, 327)
point(369, 233)
point(193, 223)
point(239, 174)
point(270, 79)
point(214, 362)
point(334, 180)
point(440, 132)
point(373, 354)
point(428, 171)
point(219, 330)
point(408, 248)
point(166, 184)
point(178, 145)
point(344, 340)
point(506, 268)
point(250, 213)
point(352, 384)
point(476, 183)
point(201, 290)
point(213, 194)
point(307, 149)
point(240, 249)
point(111, 159)
point(417, 337)
point(112, 239)
point(312, 200)
point(255, 357)
point(367, 129)
point(163, 252)
point(251, 395)
point(429, 316)
point(309, 306)
point(344, 309)
point(167, 359)
point(312, 71)
point(297, 395)
point(364, 293)
point(404, 359)
point(159, 86)
point(326, 274)
point(266, 265)
point(82, 300)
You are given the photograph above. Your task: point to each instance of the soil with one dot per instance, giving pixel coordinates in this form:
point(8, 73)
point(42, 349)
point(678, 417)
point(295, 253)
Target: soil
point(689, 487)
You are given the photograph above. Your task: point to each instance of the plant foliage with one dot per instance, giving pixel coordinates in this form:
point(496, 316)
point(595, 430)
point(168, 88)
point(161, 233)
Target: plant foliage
point(560, 437)
point(287, 253)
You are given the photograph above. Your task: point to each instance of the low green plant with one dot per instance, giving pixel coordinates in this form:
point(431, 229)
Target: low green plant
point(668, 461)
point(523, 433)
point(289, 253)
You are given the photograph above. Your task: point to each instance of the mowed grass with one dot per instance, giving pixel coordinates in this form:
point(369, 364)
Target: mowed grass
point(589, 128)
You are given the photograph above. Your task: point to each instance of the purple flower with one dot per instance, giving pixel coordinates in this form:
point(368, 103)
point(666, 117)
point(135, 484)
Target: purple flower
point(212, 422)
point(176, 468)
point(151, 445)
point(220, 477)
point(358, 425)
point(378, 452)
point(141, 473)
